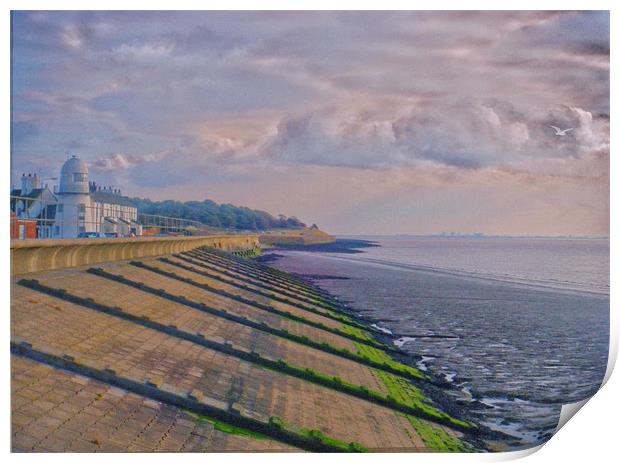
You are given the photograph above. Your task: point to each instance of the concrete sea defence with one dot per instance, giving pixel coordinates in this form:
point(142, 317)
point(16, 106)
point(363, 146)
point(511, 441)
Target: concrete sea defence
point(29, 256)
point(201, 350)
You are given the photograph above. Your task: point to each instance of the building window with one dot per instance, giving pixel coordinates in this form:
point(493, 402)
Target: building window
point(60, 207)
point(57, 230)
point(82, 229)
point(79, 177)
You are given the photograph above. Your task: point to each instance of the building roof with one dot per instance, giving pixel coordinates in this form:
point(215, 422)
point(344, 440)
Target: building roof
point(28, 199)
point(74, 165)
point(48, 213)
point(111, 198)
point(35, 193)
point(74, 176)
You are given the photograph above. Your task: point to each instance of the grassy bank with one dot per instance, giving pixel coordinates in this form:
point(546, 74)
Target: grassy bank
point(301, 236)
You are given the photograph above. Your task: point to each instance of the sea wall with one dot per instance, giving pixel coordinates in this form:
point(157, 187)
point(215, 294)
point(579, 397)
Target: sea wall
point(29, 256)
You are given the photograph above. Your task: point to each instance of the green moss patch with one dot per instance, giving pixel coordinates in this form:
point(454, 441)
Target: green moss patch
point(316, 436)
point(285, 432)
point(227, 427)
point(436, 438)
point(401, 391)
point(379, 355)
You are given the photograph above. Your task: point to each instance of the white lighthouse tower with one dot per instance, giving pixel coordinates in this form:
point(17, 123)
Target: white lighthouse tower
point(74, 211)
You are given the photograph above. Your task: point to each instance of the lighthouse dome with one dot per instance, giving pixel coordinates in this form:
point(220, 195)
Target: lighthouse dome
point(74, 176)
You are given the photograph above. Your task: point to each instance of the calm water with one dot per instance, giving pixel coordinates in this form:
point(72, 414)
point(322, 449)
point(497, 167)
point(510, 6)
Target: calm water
point(530, 316)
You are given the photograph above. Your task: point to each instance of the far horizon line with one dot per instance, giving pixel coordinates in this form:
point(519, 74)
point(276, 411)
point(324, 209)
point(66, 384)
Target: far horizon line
point(472, 235)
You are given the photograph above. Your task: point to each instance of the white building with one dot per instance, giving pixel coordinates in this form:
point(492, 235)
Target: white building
point(77, 207)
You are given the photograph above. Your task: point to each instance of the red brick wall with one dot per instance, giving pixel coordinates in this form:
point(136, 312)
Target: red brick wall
point(29, 227)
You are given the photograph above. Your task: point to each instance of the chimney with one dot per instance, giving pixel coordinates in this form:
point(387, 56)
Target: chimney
point(28, 184)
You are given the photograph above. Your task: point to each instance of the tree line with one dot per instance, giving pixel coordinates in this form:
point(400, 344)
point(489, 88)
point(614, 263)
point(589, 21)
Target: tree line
point(216, 215)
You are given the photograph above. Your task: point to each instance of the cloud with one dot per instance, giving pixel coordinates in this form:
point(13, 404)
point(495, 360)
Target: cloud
point(144, 51)
point(221, 95)
point(75, 35)
point(119, 161)
point(490, 134)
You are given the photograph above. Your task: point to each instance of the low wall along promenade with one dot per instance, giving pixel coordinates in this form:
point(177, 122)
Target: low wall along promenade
point(37, 255)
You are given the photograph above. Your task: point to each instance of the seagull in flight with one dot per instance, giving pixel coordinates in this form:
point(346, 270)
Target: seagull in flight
point(559, 132)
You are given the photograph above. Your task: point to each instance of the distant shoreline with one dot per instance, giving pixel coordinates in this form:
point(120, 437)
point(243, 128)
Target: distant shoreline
point(340, 245)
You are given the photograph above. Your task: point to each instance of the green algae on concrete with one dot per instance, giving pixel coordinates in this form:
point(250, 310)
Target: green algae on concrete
point(401, 391)
point(315, 435)
point(438, 439)
point(227, 427)
point(380, 356)
point(275, 422)
point(406, 393)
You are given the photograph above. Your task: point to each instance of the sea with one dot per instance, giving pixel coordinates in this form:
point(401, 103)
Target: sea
point(526, 319)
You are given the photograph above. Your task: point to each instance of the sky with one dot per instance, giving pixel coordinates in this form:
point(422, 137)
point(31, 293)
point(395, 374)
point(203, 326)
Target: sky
point(360, 122)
